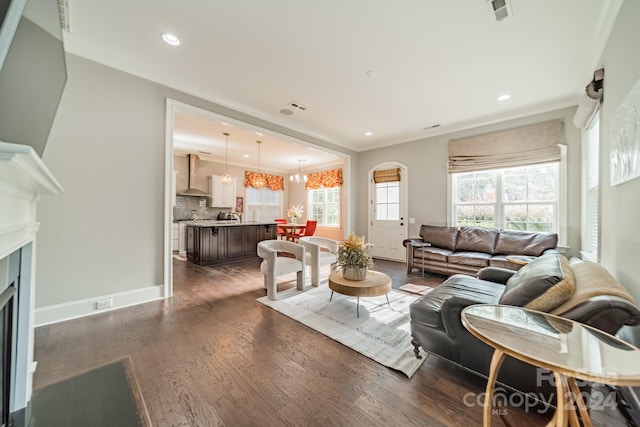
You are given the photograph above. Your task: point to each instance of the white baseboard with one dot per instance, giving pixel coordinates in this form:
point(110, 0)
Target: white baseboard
point(86, 307)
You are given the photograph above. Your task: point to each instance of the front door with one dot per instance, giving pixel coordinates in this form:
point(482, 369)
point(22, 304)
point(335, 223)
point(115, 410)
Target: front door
point(388, 211)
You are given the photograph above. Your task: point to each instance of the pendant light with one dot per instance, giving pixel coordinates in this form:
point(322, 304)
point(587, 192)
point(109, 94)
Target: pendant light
point(299, 177)
point(226, 178)
point(258, 181)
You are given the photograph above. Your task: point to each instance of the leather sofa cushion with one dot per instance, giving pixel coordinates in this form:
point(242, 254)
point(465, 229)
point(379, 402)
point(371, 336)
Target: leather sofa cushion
point(476, 239)
point(524, 242)
point(476, 259)
point(542, 285)
point(432, 254)
point(501, 261)
point(440, 236)
point(426, 310)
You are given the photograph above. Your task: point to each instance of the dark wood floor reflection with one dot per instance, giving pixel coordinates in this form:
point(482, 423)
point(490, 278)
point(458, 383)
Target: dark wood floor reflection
point(212, 355)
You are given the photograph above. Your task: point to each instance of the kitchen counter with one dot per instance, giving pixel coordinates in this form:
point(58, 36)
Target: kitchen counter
point(219, 242)
point(223, 223)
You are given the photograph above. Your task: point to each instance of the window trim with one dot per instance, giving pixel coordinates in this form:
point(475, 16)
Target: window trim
point(340, 206)
point(247, 205)
point(562, 202)
point(587, 252)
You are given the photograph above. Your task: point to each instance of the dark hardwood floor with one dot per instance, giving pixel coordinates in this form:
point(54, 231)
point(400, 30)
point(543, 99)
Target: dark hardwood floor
point(213, 356)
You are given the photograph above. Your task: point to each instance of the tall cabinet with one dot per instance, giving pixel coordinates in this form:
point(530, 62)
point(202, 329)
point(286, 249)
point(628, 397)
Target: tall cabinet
point(222, 196)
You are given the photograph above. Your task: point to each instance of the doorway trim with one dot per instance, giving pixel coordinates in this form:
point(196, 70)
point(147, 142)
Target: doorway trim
point(171, 106)
point(404, 198)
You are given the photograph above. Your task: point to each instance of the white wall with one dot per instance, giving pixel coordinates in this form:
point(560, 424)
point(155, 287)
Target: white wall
point(620, 205)
point(427, 163)
point(104, 235)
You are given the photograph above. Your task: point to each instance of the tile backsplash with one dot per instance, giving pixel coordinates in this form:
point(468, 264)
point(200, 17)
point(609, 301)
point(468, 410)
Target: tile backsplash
point(186, 204)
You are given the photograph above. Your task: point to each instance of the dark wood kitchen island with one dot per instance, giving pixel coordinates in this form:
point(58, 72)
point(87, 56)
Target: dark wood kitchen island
point(221, 242)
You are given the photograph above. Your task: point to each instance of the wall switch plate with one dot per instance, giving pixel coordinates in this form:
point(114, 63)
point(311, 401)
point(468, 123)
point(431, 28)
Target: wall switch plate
point(412, 220)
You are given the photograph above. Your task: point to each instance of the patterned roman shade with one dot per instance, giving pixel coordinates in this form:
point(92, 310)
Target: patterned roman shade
point(325, 179)
point(274, 182)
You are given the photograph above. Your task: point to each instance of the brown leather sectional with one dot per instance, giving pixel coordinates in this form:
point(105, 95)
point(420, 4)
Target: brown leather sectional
point(466, 250)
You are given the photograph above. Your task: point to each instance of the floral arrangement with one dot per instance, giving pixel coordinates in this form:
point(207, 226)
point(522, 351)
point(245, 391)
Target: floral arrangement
point(295, 211)
point(353, 253)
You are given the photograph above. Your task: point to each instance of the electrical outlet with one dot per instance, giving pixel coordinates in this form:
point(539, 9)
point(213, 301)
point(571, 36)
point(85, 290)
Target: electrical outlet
point(412, 220)
point(104, 304)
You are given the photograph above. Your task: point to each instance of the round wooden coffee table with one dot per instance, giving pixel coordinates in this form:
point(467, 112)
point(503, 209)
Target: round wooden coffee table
point(374, 285)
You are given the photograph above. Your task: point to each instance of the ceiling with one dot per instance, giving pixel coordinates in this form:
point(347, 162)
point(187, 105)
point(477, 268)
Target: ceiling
point(395, 69)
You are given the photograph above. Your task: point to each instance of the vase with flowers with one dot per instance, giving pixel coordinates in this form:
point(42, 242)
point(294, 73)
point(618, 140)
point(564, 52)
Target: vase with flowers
point(354, 258)
point(295, 212)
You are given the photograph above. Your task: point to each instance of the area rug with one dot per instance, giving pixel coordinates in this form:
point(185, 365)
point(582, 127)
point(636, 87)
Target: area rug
point(416, 289)
point(381, 332)
point(103, 397)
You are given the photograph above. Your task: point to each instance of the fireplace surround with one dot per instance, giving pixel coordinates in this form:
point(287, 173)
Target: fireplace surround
point(23, 179)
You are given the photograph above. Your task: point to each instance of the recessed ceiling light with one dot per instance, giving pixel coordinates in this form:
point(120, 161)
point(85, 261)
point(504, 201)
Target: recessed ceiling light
point(286, 112)
point(171, 39)
point(368, 133)
point(504, 97)
point(259, 133)
point(246, 156)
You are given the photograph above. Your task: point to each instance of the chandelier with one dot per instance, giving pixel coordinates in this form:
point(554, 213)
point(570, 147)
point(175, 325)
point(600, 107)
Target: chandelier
point(298, 177)
point(226, 178)
point(259, 181)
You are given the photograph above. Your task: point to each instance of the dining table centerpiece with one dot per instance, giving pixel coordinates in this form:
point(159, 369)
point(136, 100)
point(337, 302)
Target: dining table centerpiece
point(295, 212)
point(354, 257)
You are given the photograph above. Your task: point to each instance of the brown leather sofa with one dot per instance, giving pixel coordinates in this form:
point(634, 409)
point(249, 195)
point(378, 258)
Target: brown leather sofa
point(466, 250)
point(596, 299)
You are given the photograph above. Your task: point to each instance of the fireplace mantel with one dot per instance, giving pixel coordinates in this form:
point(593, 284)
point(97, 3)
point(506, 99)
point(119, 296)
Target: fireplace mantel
point(23, 179)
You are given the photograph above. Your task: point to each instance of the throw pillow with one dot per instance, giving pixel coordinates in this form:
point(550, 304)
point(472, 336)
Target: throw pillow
point(541, 285)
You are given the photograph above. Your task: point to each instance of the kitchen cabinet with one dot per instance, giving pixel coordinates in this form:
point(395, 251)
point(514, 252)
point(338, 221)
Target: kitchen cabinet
point(211, 243)
point(173, 188)
point(175, 234)
point(182, 239)
point(222, 196)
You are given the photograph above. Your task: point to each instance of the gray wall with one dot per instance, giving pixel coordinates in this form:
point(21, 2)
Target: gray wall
point(104, 235)
point(427, 163)
point(620, 205)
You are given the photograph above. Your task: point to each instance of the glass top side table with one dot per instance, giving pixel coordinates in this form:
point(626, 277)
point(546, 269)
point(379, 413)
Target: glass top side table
point(570, 349)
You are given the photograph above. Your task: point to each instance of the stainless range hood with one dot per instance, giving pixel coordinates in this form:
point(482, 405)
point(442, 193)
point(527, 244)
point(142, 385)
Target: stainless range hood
point(192, 173)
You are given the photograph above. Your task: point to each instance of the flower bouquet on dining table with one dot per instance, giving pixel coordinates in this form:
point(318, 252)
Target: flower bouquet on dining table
point(295, 212)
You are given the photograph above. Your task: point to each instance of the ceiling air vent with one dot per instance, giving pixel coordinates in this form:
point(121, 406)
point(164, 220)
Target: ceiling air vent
point(501, 9)
point(297, 106)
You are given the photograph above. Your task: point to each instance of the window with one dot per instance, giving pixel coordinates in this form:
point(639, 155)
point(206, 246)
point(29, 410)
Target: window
point(388, 201)
point(324, 206)
point(591, 156)
point(522, 198)
point(266, 202)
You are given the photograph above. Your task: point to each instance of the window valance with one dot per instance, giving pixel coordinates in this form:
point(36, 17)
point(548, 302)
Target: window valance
point(324, 179)
point(274, 182)
point(524, 146)
point(386, 175)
